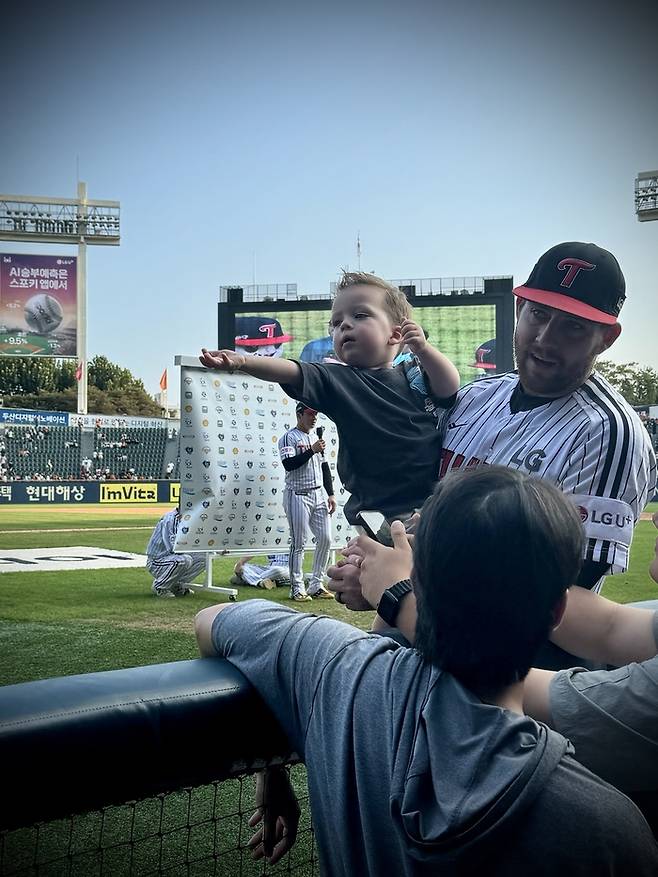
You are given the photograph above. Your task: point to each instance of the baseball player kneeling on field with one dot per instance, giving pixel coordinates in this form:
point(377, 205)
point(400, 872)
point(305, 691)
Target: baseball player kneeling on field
point(305, 505)
point(171, 572)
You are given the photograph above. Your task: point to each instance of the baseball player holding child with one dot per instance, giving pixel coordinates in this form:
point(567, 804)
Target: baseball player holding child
point(305, 505)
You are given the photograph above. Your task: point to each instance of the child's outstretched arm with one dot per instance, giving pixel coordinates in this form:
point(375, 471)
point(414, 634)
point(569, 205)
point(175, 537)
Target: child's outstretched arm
point(283, 371)
point(441, 373)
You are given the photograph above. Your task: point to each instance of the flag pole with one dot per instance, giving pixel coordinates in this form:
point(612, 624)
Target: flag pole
point(163, 393)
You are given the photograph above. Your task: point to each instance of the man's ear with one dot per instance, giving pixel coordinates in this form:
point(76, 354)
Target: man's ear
point(558, 611)
point(519, 305)
point(610, 335)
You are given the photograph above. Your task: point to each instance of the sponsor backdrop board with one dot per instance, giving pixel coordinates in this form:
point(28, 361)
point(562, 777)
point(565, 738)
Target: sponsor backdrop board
point(232, 480)
point(38, 305)
point(81, 492)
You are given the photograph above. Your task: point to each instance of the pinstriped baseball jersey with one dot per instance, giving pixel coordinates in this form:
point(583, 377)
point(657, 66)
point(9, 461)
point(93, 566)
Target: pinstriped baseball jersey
point(309, 474)
point(591, 444)
point(163, 537)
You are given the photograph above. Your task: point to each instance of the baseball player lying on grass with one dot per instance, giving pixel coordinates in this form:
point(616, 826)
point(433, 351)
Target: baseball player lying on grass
point(272, 575)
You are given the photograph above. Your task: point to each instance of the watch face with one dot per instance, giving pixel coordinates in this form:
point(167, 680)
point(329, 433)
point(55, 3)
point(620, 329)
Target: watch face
point(388, 607)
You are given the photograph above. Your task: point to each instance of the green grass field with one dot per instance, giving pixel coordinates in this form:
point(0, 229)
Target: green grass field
point(54, 624)
point(60, 623)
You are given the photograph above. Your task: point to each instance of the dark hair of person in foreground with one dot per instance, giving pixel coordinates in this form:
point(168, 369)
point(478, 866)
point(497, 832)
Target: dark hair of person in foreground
point(483, 533)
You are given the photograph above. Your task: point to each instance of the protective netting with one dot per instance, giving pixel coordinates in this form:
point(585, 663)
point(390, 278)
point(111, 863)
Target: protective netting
point(194, 832)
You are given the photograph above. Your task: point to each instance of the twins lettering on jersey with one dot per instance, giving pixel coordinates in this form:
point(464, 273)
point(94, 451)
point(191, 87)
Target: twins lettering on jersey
point(531, 461)
point(590, 444)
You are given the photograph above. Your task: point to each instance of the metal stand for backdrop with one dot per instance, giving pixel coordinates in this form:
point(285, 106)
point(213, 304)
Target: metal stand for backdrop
point(231, 476)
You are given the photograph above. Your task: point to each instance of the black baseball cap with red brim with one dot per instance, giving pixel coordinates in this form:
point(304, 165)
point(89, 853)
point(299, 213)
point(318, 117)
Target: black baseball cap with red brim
point(580, 279)
point(253, 331)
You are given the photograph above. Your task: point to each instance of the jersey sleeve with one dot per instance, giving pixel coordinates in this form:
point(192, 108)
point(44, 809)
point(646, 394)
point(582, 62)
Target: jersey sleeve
point(283, 654)
point(611, 473)
point(287, 450)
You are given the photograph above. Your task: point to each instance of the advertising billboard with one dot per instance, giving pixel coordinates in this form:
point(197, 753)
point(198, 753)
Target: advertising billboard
point(38, 305)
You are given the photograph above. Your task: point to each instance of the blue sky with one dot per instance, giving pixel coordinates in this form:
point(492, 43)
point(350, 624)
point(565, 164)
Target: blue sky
point(458, 139)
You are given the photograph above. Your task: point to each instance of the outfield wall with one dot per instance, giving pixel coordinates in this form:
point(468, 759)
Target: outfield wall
point(110, 493)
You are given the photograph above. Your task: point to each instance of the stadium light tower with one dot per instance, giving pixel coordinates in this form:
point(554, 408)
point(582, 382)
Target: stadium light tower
point(79, 221)
point(646, 196)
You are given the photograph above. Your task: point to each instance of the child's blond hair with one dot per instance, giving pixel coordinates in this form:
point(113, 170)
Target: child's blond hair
point(395, 301)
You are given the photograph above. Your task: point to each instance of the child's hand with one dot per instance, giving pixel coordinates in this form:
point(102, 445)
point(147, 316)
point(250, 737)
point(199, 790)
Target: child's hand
point(413, 336)
point(223, 360)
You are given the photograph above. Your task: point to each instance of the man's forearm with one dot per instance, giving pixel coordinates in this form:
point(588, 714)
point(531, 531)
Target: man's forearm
point(600, 630)
point(442, 375)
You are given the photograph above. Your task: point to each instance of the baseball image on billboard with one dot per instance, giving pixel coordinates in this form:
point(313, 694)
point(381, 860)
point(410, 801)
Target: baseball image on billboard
point(38, 305)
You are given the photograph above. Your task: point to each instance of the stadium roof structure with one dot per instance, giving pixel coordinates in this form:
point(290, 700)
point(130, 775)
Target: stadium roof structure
point(425, 286)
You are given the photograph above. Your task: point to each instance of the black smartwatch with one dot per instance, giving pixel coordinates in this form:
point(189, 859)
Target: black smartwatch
point(389, 603)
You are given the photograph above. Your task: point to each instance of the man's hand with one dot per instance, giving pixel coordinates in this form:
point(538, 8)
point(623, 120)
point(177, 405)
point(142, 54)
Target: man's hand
point(318, 446)
point(223, 360)
point(381, 566)
point(331, 504)
point(413, 336)
point(344, 582)
point(278, 810)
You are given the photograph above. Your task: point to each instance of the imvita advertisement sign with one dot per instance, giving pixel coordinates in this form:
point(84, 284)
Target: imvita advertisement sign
point(79, 492)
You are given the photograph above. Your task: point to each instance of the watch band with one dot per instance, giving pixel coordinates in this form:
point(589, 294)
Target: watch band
point(389, 603)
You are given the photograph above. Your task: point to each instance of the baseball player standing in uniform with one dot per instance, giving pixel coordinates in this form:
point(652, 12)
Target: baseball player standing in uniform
point(305, 505)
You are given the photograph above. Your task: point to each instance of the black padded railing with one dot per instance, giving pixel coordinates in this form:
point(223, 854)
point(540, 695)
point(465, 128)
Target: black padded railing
point(139, 771)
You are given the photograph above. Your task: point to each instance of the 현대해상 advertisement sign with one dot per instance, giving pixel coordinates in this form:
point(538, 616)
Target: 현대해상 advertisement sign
point(232, 479)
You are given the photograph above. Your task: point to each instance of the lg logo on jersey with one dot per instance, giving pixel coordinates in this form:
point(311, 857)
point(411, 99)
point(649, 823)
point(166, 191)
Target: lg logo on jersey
point(531, 462)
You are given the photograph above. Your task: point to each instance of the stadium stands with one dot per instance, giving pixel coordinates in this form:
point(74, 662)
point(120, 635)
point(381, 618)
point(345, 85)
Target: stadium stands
point(44, 450)
point(126, 451)
point(54, 452)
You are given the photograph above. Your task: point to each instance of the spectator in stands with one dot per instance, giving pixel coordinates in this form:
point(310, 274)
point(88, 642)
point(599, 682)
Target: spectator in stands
point(171, 572)
point(421, 761)
point(169, 470)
